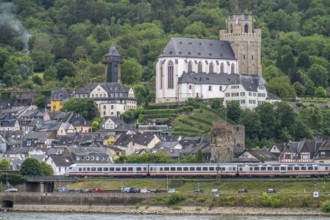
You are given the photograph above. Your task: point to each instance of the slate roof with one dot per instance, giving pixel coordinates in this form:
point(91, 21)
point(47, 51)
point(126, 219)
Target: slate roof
point(143, 139)
point(272, 96)
point(123, 140)
point(113, 51)
point(60, 116)
point(59, 95)
point(66, 139)
point(41, 136)
point(79, 120)
point(198, 48)
point(263, 155)
point(120, 125)
point(52, 125)
point(62, 161)
point(85, 151)
point(249, 82)
point(109, 87)
point(294, 147)
point(208, 78)
point(19, 150)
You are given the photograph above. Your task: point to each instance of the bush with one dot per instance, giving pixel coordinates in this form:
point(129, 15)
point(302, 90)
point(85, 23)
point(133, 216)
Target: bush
point(269, 201)
point(174, 199)
point(325, 207)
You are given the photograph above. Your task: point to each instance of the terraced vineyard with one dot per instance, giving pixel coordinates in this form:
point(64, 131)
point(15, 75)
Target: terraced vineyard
point(197, 123)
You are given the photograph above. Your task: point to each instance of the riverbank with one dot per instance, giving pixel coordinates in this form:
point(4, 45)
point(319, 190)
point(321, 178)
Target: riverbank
point(159, 210)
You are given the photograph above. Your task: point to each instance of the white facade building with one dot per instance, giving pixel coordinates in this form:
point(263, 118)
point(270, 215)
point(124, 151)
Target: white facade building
point(207, 69)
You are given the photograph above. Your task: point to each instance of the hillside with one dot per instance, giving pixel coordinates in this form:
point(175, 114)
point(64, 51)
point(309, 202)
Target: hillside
point(51, 44)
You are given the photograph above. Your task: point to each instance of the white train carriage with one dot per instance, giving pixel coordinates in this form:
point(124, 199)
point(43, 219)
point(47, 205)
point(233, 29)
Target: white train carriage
point(107, 170)
point(283, 170)
point(192, 169)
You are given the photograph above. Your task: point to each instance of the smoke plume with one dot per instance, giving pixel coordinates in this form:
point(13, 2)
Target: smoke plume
point(10, 22)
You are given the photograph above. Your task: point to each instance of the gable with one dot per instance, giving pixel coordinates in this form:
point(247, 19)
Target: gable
point(98, 91)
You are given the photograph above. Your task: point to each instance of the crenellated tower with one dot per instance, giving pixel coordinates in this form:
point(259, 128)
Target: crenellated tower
point(245, 41)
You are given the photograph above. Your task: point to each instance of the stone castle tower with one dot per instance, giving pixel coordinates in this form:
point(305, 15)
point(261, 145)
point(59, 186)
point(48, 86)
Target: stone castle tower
point(227, 142)
point(112, 62)
point(246, 43)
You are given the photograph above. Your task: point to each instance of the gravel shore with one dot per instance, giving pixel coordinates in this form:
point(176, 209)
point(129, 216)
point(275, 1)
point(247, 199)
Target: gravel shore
point(157, 210)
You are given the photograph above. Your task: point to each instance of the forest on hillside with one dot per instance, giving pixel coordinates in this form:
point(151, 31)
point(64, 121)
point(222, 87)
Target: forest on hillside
point(48, 44)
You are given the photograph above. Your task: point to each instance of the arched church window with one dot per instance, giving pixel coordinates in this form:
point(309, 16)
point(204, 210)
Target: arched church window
point(189, 67)
point(170, 75)
point(222, 68)
point(211, 67)
point(232, 68)
point(200, 67)
point(246, 28)
point(161, 76)
point(231, 28)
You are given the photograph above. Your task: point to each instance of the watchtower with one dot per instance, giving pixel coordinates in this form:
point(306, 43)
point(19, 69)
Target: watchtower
point(112, 62)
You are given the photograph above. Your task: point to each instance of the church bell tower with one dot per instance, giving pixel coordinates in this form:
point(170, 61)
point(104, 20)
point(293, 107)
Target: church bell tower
point(245, 41)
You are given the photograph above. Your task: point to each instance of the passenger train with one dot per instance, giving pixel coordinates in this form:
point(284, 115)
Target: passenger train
point(200, 169)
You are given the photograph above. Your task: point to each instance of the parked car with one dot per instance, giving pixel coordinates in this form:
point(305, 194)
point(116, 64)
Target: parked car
point(11, 190)
point(97, 190)
point(154, 190)
point(271, 190)
point(198, 191)
point(86, 190)
point(215, 192)
point(144, 190)
point(63, 190)
point(172, 191)
point(130, 190)
point(242, 190)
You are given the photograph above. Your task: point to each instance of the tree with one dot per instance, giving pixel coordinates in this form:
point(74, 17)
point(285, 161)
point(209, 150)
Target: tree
point(285, 119)
point(131, 71)
point(234, 111)
point(285, 60)
point(299, 88)
point(303, 60)
point(50, 73)
point(143, 94)
point(267, 120)
point(319, 75)
point(309, 88)
point(4, 164)
point(65, 68)
point(46, 169)
point(148, 157)
point(320, 92)
point(281, 86)
point(191, 158)
point(31, 167)
point(196, 29)
point(37, 80)
point(251, 121)
point(39, 101)
point(295, 76)
point(86, 107)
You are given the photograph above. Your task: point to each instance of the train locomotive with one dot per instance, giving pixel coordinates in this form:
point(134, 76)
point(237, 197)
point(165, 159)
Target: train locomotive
point(200, 169)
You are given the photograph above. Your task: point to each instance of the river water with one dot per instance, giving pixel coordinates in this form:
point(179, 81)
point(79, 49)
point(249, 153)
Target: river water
point(77, 216)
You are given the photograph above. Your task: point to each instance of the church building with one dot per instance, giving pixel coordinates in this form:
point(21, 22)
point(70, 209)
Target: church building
point(229, 68)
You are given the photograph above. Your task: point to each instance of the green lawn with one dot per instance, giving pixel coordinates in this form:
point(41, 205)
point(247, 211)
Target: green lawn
point(225, 186)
